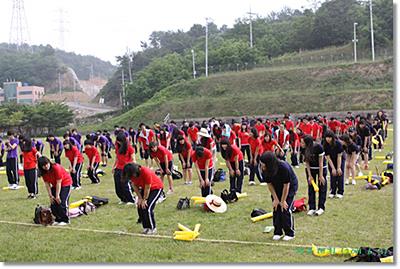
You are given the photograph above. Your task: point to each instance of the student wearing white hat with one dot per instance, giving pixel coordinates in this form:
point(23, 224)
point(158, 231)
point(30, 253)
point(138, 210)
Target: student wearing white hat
point(204, 139)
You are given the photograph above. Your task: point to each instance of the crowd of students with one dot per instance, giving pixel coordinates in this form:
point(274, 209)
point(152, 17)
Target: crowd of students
point(342, 147)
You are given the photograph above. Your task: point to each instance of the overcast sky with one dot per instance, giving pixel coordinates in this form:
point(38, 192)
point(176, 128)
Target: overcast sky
point(106, 28)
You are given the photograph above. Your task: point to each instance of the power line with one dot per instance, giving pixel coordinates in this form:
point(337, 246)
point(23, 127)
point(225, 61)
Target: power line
point(19, 31)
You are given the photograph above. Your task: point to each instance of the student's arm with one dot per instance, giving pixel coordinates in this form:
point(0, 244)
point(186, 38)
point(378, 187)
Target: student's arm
point(228, 164)
point(206, 180)
point(13, 146)
point(240, 142)
point(146, 193)
point(237, 165)
point(339, 164)
point(74, 164)
point(309, 173)
point(275, 201)
point(166, 164)
point(183, 160)
point(48, 188)
point(58, 190)
point(285, 192)
point(201, 181)
point(328, 158)
point(321, 169)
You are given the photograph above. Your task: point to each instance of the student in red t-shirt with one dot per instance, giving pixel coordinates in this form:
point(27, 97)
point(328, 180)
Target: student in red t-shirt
point(243, 135)
point(58, 185)
point(184, 150)
point(30, 155)
point(192, 134)
point(76, 160)
point(94, 160)
point(203, 161)
point(146, 135)
point(255, 152)
point(148, 188)
point(260, 127)
point(234, 161)
point(164, 138)
point(269, 144)
point(124, 153)
point(163, 158)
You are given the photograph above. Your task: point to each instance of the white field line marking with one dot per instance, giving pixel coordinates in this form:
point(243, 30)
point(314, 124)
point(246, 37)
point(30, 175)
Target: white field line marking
point(158, 236)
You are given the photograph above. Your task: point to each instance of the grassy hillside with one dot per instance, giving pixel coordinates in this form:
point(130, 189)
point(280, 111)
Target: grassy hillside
point(268, 91)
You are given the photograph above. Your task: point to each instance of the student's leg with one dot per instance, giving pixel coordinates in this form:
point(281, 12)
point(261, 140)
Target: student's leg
point(55, 209)
point(169, 176)
point(74, 180)
point(340, 181)
point(29, 175)
point(239, 183)
point(127, 189)
point(78, 168)
point(333, 182)
point(277, 221)
point(287, 218)
point(95, 174)
point(322, 190)
point(64, 196)
point(311, 195)
point(10, 176)
point(118, 185)
point(151, 204)
point(252, 172)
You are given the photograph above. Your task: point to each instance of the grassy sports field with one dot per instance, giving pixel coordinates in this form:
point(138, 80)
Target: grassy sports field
point(362, 218)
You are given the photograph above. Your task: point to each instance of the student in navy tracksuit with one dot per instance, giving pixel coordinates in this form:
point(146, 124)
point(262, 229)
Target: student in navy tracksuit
point(38, 144)
point(283, 184)
point(12, 160)
point(336, 160)
point(314, 157)
point(56, 147)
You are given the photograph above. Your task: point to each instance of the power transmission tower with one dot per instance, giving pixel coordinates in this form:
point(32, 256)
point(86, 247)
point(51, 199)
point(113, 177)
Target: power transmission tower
point(19, 31)
point(61, 28)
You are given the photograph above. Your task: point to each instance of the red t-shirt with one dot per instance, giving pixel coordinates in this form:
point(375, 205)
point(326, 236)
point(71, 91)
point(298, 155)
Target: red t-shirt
point(186, 151)
point(160, 154)
point(193, 133)
point(289, 125)
point(72, 153)
point(343, 127)
point(269, 146)
point(209, 143)
point(244, 137)
point(306, 128)
point(92, 152)
point(123, 159)
point(232, 138)
point(260, 128)
point(236, 128)
point(150, 137)
point(57, 172)
point(201, 162)
point(147, 177)
point(236, 152)
point(30, 159)
point(296, 140)
point(254, 143)
point(315, 130)
point(163, 141)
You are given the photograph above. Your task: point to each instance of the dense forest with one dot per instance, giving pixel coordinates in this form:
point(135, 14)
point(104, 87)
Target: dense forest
point(166, 57)
point(39, 65)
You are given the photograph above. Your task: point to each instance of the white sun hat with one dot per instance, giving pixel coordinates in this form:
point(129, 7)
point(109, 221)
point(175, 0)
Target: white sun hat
point(216, 204)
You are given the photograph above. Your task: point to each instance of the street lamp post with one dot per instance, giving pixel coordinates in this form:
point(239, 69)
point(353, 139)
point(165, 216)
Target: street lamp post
point(355, 41)
point(194, 65)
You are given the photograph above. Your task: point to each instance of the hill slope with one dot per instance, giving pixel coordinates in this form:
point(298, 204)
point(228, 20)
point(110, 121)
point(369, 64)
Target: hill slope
point(361, 86)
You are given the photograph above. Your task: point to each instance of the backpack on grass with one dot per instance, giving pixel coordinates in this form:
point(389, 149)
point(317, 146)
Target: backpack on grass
point(219, 175)
point(43, 216)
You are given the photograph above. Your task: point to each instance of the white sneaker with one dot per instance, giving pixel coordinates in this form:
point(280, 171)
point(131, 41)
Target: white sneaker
point(277, 237)
point(252, 183)
point(130, 203)
point(360, 174)
point(145, 231)
point(263, 184)
point(151, 232)
point(319, 212)
point(55, 223)
point(346, 182)
point(297, 166)
point(340, 196)
point(121, 203)
point(78, 188)
point(14, 187)
point(161, 199)
point(170, 192)
point(331, 195)
point(62, 223)
point(288, 238)
point(311, 212)
point(353, 182)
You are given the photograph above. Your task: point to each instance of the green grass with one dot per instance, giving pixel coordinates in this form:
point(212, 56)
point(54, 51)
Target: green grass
point(295, 89)
point(362, 218)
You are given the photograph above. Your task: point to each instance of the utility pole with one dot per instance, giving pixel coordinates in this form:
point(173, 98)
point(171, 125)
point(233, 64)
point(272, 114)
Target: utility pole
point(372, 31)
point(194, 65)
point(207, 47)
point(123, 88)
point(251, 28)
point(355, 40)
point(129, 64)
point(59, 83)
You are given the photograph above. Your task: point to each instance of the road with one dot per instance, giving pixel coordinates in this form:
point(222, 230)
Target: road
point(87, 109)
